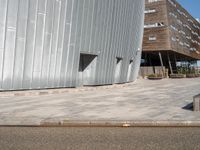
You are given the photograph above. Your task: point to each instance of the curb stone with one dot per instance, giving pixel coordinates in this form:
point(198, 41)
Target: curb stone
point(67, 123)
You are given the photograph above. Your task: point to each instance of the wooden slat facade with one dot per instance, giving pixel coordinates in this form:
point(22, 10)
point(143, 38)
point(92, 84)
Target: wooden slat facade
point(180, 33)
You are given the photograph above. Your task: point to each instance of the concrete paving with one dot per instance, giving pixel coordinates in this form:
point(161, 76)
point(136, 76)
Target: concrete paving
point(162, 100)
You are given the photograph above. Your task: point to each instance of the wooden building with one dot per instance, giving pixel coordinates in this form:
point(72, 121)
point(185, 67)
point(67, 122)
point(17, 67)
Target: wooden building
point(171, 35)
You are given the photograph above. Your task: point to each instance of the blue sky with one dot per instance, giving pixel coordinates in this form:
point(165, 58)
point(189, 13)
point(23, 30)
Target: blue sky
point(192, 6)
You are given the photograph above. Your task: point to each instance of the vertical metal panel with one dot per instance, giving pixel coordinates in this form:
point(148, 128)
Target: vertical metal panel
point(41, 41)
point(54, 42)
point(20, 44)
point(30, 44)
point(9, 53)
point(3, 21)
point(3, 11)
point(47, 43)
point(61, 34)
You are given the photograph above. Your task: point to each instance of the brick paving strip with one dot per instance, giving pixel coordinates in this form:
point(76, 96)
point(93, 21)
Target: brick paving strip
point(59, 90)
point(143, 103)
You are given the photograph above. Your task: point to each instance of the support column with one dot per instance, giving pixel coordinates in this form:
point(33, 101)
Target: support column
point(146, 59)
point(175, 62)
point(161, 62)
point(170, 65)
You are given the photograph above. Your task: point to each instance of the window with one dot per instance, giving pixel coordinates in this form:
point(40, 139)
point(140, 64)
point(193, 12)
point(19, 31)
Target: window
point(179, 12)
point(193, 49)
point(173, 15)
point(190, 20)
point(181, 43)
point(184, 14)
point(152, 1)
point(152, 38)
point(186, 44)
point(172, 3)
point(87, 65)
point(196, 26)
point(173, 39)
point(188, 37)
point(160, 24)
point(194, 33)
point(194, 41)
point(148, 11)
point(179, 21)
point(173, 27)
point(182, 32)
point(188, 27)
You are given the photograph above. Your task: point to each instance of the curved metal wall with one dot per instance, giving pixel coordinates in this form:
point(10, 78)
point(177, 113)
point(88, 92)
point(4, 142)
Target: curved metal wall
point(68, 43)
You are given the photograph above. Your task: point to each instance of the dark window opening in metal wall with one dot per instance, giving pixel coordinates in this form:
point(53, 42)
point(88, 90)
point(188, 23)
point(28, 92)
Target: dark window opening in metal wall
point(118, 69)
point(87, 66)
point(129, 70)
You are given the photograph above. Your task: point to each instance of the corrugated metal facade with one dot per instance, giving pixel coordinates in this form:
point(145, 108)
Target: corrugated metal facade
point(69, 43)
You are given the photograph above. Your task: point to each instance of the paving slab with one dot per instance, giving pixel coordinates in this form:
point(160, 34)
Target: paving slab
point(145, 100)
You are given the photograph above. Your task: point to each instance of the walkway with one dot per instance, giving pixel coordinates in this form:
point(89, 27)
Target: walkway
point(143, 100)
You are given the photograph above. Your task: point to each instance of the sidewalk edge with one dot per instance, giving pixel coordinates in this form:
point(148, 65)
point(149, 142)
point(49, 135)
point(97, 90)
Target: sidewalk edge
point(108, 123)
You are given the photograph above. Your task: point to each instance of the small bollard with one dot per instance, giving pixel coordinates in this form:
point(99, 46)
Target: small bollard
point(196, 103)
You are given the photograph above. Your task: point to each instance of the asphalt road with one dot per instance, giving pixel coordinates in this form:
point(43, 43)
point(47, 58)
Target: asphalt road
point(99, 138)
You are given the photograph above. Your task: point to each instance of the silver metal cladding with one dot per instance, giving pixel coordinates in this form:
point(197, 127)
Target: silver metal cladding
point(69, 43)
